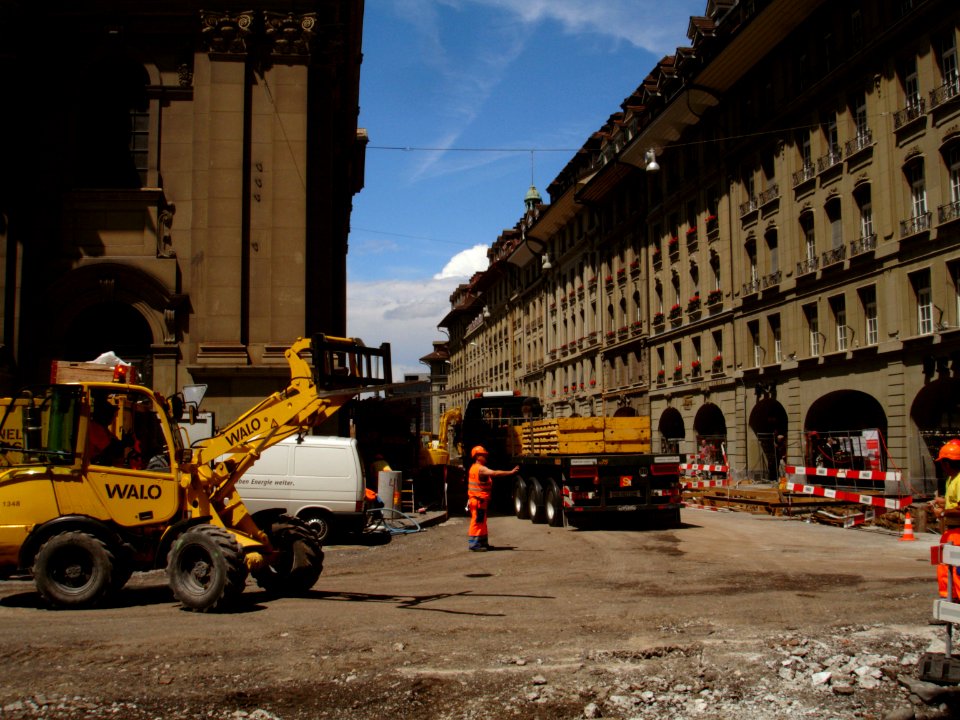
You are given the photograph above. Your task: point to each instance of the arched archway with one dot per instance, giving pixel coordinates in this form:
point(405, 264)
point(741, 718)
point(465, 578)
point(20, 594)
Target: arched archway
point(672, 430)
point(710, 428)
point(769, 423)
point(107, 326)
point(833, 430)
point(625, 411)
point(936, 413)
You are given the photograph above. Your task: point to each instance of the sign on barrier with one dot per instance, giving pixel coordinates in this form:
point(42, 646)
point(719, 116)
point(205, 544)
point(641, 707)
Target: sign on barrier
point(898, 503)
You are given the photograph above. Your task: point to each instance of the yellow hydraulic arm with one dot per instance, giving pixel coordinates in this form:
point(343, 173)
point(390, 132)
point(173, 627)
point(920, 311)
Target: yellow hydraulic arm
point(342, 368)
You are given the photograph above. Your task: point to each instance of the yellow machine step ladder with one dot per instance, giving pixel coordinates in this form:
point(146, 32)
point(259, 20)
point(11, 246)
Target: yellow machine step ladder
point(408, 503)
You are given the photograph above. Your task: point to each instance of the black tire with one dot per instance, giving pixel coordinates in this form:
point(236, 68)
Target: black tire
point(520, 508)
point(74, 570)
point(206, 568)
point(535, 509)
point(322, 526)
point(299, 560)
point(553, 507)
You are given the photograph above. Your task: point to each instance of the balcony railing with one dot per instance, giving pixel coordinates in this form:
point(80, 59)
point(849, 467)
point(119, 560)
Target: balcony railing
point(769, 195)
point(834, 157)
point(948, 91)
point(834, 256)
point(863, 244)
point(807, 172)
point(771, 280)
point(863, 140)
point(751, 288)
point(810, 265)
point(948, 212)
point(917, 224)
point(749, 206)
point(911, 112)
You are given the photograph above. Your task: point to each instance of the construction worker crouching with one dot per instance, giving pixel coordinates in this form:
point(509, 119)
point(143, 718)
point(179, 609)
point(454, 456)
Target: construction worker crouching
point(479, 487)
point(947, 510)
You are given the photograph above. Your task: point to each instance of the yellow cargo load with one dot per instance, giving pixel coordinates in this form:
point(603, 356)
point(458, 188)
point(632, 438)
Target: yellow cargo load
point(580, 436)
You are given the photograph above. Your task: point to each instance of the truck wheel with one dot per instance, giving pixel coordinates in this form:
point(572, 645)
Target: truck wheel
point(520, 499)
point(298, 562)
point(321, 525)
point(553, 508)
point(535, 507)
point(206, 568)
point(74, 570)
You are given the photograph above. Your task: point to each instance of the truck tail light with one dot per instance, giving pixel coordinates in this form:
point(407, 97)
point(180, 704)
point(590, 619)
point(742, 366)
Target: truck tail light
point(665, 469)
point(585, 472)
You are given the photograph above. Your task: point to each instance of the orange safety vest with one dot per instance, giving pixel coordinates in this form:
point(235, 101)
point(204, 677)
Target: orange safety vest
point(479, 486)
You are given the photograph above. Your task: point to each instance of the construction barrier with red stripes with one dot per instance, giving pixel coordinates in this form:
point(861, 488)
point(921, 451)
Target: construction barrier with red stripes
point(697, 484)
point(897, 503)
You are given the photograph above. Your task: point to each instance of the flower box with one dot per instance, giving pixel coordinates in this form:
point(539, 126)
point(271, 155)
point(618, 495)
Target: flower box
point(658, 318)
point(610, 334)
point(621, 272)
point(593, 383)
point(661, 376)
point(714, 296)
point(691, 232)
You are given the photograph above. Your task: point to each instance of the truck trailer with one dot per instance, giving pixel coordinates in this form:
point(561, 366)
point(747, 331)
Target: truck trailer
point(575, 470)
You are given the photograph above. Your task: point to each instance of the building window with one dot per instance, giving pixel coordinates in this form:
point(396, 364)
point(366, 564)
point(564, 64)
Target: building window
point(838, 306)
point(753, 328)
point(140, 143)
point(835, 218)
point(860, 116)
point(953, 163)
point(777, 342)
point(856, 28)
point(918, 188)
point(911, 84)
point(923, 296)
point(865, 207)
point(947, 60)
point(868, 301)
point(813, 328)
point(773, 250)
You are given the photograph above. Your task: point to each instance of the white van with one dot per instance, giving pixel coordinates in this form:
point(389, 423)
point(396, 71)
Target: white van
point(316, 478)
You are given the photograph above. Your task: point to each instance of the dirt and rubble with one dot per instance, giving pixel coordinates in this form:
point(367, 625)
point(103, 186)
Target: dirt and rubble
point(730, 615)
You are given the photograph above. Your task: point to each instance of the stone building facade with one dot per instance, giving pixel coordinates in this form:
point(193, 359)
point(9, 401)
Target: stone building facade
point(176, 186)
point(789, 273)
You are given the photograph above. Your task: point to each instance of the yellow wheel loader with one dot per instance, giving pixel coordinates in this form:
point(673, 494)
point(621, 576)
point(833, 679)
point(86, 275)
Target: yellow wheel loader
point(96, 482)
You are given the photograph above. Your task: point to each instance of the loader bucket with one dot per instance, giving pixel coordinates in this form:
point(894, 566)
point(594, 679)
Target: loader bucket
point(348, 363)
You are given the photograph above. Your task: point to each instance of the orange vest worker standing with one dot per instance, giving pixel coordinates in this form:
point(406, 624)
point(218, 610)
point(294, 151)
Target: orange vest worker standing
point(947, 508)
point(479, 486)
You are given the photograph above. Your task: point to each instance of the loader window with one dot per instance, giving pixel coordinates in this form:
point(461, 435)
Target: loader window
point(40, 429)
point(125, 431)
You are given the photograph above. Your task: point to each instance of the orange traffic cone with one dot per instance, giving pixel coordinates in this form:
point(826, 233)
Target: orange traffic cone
point(907, 528)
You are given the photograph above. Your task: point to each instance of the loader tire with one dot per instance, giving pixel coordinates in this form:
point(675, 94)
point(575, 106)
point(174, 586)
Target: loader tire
point(299, 560)
point(74, 570)
point(206, 569)
point(553, 507)
point(520, 499)
point(535, 509)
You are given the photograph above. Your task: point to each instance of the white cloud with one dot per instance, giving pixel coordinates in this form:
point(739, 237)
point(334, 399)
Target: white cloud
point(464, 264)
point(649, 24)
point(405, 313)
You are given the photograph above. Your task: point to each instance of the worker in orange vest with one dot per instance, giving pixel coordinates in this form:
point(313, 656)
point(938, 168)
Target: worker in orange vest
point(947, 509)
point(479, 486)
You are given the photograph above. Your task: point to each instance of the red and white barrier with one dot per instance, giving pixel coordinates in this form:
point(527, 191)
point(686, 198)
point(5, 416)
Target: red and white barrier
point(692, 506)
point(898, 503)
point(844, 474)
point(704, 468)
point(696, 484)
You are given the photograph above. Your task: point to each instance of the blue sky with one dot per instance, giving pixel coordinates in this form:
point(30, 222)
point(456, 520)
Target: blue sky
point(470, 86)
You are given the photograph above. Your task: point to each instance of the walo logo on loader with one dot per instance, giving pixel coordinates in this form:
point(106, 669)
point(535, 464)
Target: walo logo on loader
point(129, 491)
point(243, 431)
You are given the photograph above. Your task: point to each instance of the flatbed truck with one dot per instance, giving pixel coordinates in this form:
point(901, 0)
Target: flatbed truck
point(576, 471)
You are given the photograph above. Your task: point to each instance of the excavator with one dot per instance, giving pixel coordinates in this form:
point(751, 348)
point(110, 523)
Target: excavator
point(97, 481)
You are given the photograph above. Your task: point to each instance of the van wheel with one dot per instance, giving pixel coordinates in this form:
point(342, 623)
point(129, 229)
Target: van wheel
point(298, 561)
point(74, 570)
point(520, 499)
point(321, 525)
